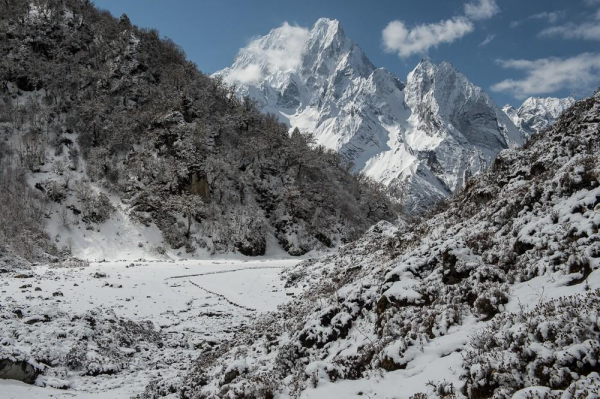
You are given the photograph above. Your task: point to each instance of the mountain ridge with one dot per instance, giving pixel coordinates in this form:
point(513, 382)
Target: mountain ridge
point(537, 113)
point(397, 133)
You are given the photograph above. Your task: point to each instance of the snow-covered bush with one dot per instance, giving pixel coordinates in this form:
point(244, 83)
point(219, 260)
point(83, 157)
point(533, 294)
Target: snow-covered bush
point(10, 261)
point(53, 190)
point(554, 345)
point(95, 206)
point(59, 344)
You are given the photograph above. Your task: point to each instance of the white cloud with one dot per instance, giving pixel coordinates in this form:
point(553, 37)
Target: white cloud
point(550, 16)
point(289, 53)
point(586, 30)
point(487, 40)
point(286, 54)
point(245, 75)
point(548, 75)
point(397, 38)
point(591, 2)
point(481, 9)
point(598, 15)
point(406, 41)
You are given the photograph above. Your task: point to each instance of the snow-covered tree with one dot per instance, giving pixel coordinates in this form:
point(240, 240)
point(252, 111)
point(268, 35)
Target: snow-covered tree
point(191, 206)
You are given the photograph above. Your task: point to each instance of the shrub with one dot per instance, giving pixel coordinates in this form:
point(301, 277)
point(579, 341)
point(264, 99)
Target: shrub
point(95, 207)
point(553, 345)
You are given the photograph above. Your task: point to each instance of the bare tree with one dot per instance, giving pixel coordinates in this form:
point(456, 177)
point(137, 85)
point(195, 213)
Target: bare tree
point(64, 217)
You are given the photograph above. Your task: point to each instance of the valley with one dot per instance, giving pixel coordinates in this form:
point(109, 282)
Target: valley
point(301, 224)
point(193, 304)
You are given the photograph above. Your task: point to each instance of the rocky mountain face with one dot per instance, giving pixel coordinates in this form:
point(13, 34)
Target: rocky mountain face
point(537, 114)
point(496, 295)
point(422, 138)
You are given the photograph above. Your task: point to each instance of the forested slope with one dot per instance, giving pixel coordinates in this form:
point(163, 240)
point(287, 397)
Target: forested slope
point(92, 106)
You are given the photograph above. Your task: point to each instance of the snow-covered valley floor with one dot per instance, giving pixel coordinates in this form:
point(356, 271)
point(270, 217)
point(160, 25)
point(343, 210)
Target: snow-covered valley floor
point(195, 303)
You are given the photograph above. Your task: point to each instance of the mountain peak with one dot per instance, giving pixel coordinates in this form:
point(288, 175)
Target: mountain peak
point(448, 66)
point(548, 101)
point(424, 64)
point(424, 71)
point(326, 23)
point(402, 136)
point(428, 67)
point(538, 113)
point(290, 49)
point(328, 28)
point(325, 34)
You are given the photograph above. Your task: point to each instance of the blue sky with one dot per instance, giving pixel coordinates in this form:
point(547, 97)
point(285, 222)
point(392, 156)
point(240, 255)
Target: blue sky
point(511, 48)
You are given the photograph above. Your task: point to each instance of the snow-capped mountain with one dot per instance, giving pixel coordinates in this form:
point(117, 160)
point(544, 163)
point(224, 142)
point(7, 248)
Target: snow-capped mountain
point(422, 138)
point(455, 128)
point(536, 113)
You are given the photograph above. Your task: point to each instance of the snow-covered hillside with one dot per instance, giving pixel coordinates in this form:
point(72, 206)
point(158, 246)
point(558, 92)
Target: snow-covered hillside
point(422, 139)
point(495, 296)
point(121, 148)
point(152, 223)
point(537, 114)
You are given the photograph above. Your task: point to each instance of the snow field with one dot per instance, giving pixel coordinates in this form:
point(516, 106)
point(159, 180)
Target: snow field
point(191, 303)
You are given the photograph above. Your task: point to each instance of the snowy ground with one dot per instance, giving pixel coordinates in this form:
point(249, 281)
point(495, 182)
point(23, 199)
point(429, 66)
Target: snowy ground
point(192, 302)
point(204, 301)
